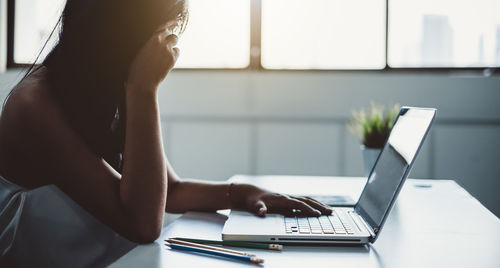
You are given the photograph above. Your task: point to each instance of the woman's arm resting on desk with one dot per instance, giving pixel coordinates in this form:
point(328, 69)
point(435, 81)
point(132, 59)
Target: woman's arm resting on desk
point(185, 195)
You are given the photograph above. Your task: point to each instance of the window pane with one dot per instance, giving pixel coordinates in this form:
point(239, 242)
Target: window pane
point(34, 20)
point(323, 34)
point(444, 33)
point(217, 35)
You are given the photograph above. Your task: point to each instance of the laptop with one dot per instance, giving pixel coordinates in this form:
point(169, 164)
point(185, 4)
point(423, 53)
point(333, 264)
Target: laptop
point(359, 224)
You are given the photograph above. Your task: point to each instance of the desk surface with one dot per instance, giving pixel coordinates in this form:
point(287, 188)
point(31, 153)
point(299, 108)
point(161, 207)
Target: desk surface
point(434, 223)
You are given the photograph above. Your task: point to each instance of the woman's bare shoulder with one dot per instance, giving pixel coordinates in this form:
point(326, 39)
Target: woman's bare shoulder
point(30, 100)
point(26, 118)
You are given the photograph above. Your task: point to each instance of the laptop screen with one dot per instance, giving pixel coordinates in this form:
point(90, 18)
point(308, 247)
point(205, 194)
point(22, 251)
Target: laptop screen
point(393, 164)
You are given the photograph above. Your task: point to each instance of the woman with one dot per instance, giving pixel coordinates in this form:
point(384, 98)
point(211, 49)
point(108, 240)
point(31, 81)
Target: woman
point(88, 121)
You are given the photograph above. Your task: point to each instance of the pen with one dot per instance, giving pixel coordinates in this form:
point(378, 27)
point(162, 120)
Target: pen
point(251, 259)
point(276, 247)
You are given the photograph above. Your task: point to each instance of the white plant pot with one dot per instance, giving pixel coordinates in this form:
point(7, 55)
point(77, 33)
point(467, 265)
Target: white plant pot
point(370, 156)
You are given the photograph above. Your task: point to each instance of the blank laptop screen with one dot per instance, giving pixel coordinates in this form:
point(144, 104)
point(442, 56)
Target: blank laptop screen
point(407, 134)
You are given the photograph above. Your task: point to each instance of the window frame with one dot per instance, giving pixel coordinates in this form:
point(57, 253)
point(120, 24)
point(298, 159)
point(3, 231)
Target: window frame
point(10, 36)
point(255, 63)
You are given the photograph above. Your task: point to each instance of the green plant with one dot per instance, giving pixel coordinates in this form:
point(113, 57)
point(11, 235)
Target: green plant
point(372, 126)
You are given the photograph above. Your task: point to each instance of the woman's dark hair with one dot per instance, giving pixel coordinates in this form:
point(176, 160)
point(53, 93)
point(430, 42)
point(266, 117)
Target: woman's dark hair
point(89, 65)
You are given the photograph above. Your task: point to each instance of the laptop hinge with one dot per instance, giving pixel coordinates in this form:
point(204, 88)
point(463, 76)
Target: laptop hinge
point(361, 222)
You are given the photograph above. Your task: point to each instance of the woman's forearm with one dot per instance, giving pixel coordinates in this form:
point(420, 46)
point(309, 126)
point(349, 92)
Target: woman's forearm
point(143, 185)
point(143, 188)
point(186, 194)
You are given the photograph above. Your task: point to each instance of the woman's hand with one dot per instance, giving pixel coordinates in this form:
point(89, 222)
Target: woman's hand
point(260, 202)
point(153, 62)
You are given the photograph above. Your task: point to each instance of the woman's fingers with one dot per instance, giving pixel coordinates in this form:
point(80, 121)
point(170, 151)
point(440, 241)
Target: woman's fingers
point(153, 61)
point(283, 201)
point(284, 204)
point(175, 52)
point(325, 210)
point(260, 208)
point(171, 43)
point(171, 40)
point(283, 211)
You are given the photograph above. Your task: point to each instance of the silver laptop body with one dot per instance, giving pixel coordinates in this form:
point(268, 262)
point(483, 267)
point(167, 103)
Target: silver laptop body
point(360, 224)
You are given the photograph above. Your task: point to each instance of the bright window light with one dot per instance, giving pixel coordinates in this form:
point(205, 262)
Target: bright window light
point(313, 34)
point(323, 34)
point(217, 35)
point(444, 33)
point(34, 21)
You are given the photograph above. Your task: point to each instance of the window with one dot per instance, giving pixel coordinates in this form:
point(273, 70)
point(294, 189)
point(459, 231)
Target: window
point(307, 34)
point(203, 44)
point(444, 33)
point(34, 21)
point(323, 34)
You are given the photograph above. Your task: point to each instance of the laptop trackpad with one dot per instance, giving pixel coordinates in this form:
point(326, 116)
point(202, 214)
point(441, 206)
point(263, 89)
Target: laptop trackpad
point(242, 222)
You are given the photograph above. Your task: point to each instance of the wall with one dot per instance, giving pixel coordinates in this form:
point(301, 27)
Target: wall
point(3, 35)
point(217, 123)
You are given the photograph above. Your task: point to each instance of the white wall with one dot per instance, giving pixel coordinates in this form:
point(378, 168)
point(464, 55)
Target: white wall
point(3, 35)
point(219, 123)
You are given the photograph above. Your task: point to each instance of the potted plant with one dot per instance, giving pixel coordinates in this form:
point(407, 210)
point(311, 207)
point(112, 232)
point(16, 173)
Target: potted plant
point(372, 127)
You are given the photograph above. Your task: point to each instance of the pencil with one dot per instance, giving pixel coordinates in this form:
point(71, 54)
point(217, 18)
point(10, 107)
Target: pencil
point(241, 244)
point(251, 259)
point(194, 244)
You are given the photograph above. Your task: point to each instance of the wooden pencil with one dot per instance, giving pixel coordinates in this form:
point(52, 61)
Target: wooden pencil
point(241, 244)
point(194, 244)
point(252, 259)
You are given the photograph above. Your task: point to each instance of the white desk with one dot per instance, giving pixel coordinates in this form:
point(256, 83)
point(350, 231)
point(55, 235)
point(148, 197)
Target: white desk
point(437, 226)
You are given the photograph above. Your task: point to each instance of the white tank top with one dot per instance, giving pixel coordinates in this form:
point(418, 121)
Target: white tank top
point(43, 227)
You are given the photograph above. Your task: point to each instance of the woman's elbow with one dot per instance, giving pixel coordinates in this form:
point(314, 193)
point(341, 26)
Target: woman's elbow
point(144, 233)
point(145, 236)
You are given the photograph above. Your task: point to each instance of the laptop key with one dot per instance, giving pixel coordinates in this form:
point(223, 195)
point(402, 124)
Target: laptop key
point(324, 222)
point(304, 230)
point(340, 231)
point(303, 222)
point(313, 221)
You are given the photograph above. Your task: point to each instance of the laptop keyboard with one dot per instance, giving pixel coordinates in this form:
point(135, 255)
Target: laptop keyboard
point(325, 224)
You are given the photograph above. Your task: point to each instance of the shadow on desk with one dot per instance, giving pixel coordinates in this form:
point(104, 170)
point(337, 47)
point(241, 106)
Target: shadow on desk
point(209, 226)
